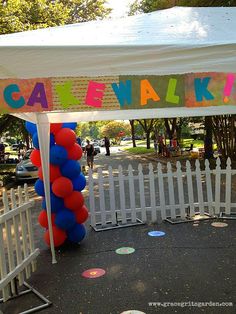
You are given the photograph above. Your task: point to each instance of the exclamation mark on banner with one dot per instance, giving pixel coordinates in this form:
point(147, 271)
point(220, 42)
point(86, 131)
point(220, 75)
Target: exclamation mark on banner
point(228, 87)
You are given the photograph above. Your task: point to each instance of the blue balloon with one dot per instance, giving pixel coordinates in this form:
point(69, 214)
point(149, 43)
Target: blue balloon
point(57, 203)
point(52, 139)
point(30, 127)
point(76, 233)
point(35, 140)
point(39, 187)
point(79, 183)
point(70, 125)
point(58, 155)
point(71, 169)
point(65, 219)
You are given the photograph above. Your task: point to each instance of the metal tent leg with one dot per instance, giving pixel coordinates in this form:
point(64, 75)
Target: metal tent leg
point(46, 304)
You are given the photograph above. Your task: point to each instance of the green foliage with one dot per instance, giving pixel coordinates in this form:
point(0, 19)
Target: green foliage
point(90, 130)
point(113, 128)
point(23, 15)
point(152, 5)
point(15, 127)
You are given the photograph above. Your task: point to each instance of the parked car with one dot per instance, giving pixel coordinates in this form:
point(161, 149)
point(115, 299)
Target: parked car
point(102, 142)
point(25, 169)
point(97, 148)
point(127, 139)
point(15, 146)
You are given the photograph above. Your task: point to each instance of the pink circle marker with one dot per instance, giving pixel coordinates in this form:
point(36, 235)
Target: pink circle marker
point(93, 273)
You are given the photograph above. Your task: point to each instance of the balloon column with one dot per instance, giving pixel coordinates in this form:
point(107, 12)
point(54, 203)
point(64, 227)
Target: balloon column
point(66, 183)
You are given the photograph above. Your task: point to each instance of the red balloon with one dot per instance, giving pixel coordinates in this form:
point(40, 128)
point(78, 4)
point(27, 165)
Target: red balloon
point(62, 187)
point(43, 219)
point(81, 215)
point(35, 158)
point(75, 152)
point(74, 201)
point(65, 137)
point(59, 236)
point(55, 127)
point(54, 173)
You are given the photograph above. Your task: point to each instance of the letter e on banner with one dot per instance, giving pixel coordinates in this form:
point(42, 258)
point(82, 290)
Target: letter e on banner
point(95, 94)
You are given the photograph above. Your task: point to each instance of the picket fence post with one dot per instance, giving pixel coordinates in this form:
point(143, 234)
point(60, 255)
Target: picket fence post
point(131, 194)
point(217, 186)
point(122, 195)
point(180, 190)
point(112, 197)
point(152, 193)
point(142, 193)
point(209, 187)
point(161, 190)
point(228, 187)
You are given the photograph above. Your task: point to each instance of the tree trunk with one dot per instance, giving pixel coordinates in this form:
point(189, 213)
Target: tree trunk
point(208, 143)
point(170, 127)
point(224, 130)
point(132, 132)
point(148, 142)
point(147, 125)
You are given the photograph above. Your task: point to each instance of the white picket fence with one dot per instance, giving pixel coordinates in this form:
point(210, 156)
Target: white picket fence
point(152, 194)
point(17, 250)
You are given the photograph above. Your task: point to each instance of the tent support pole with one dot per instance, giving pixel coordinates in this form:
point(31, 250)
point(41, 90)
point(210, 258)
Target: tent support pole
point(43, 127)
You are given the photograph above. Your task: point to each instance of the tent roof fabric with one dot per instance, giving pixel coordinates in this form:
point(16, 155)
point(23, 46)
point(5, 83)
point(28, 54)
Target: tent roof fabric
point(176, 40)
point(175, 26)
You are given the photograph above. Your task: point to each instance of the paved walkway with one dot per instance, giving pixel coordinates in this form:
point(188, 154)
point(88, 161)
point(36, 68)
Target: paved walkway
point(188, 264)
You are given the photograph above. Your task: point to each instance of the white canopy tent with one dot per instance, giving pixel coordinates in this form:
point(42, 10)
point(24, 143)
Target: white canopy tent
point(175, 41)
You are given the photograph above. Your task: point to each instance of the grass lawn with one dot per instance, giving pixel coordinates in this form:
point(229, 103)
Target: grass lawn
point(7, 167)
point(141, 145)
point(138, 150)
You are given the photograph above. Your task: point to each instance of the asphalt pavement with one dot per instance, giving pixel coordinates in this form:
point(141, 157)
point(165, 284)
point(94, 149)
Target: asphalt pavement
point(165, 274)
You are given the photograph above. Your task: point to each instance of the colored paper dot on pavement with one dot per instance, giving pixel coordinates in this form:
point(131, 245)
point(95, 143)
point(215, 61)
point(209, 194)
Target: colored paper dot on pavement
point(219, 224)
point(156, 233)
point(93, 273)
point(125, 250)
point(132, 312)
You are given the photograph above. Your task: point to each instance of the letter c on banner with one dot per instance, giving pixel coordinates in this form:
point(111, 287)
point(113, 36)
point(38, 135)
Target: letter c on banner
point(13, 103)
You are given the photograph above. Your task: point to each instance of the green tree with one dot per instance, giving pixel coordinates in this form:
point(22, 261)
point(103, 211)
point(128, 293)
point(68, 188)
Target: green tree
point(146, 6)
point(113, 128)
point(23, 15)
point(82, 130)
point(148, 127)
point(224, 130)
point(15, 128)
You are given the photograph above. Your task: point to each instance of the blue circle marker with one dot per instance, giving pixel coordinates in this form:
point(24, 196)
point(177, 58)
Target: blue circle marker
point(156, 233)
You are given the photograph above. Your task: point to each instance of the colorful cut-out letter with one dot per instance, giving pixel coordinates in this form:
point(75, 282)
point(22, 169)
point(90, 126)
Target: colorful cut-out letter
point(170, 95)
point(123, 92)
point(65, 95)
point(147, 92)
point(38, 96)
point(13, 103)
point(95, 94)
point(200, 85)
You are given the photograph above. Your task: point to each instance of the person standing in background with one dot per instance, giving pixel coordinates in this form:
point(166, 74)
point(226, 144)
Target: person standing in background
point(89, 151)
point(107, 146)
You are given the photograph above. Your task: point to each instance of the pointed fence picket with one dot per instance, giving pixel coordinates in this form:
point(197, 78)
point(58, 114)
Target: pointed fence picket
point(17, 252)
point(150, 193)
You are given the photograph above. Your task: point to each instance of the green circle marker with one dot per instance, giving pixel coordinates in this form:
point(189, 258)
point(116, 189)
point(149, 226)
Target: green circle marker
point(125, 250)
